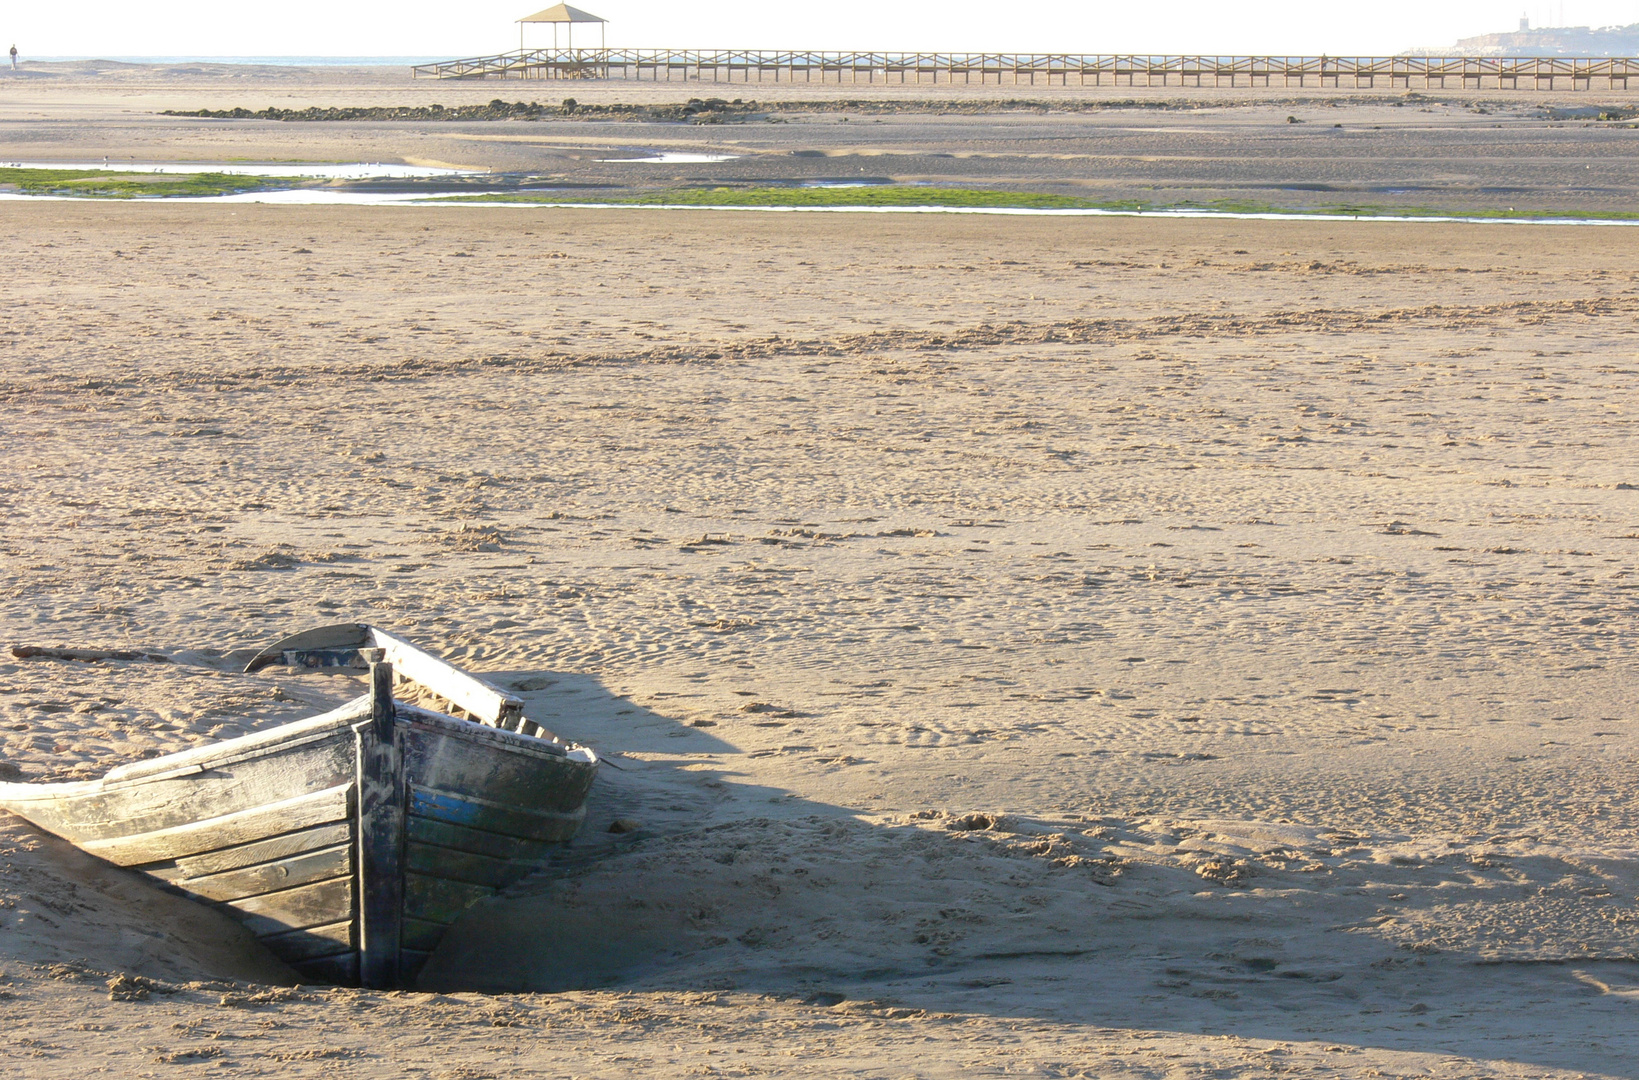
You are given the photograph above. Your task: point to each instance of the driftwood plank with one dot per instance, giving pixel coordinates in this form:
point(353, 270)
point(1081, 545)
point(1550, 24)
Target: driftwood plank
point(297, 909)
point(445, 835)
point(38, 652)
point(228, 830)
point(272, 876)
point(264, 851)
point(477, 813)
point(463, 866)
point(434, 899)
point(313, 942)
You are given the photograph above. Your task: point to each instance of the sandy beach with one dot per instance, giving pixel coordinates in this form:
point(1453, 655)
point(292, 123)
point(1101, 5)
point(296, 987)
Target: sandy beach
point(1105, 647)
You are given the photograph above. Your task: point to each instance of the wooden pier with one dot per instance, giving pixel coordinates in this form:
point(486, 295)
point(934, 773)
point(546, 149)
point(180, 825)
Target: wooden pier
point(1048, 69)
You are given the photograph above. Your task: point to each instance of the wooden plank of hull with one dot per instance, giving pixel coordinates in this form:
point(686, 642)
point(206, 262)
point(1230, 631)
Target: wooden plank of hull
point(443, 834)
point(245, 748)
point(318, 904)
point(167, 802)
point(217, 832)
point(314, 942)
point(463, 866)
point(274, 876)
point(341, 969)
point(478, 813)
point(435, 899)
point(381, 787)
point(265, 851)
point(422, 934)
point(506, 768)
point(410, 963)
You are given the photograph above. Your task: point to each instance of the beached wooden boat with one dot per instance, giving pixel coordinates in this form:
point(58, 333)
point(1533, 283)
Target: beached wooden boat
point(349, 841)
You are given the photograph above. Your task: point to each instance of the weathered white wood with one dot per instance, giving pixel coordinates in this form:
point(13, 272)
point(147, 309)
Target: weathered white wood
point(544, 746)
point(87, 810)
point(482, 701)
point(319, 904)
point(245, 747)
point(163, 803)
point(486, 703)
point(229, 830)
point(465, 759)
point(279, 847)
point(303, 869)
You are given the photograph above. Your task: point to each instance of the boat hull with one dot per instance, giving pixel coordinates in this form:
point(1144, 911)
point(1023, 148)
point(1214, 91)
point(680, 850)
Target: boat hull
point(346, 843)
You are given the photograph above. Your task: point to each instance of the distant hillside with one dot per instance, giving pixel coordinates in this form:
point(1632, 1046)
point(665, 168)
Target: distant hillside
point(1552, 41)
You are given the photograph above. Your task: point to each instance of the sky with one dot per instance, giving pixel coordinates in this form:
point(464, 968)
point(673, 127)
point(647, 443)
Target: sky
point(474, 27)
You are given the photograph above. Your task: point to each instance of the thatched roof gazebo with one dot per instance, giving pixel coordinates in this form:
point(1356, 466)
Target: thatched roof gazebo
point(566, 16)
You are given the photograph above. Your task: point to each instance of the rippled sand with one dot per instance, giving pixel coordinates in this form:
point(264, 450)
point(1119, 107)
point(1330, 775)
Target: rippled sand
point(1075, 647)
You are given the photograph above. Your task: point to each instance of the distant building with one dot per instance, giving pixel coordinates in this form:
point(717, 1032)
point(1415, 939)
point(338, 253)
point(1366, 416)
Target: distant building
point(1551, 41)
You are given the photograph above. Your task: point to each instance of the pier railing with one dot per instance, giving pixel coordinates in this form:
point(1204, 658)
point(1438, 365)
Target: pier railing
point(1047, 69)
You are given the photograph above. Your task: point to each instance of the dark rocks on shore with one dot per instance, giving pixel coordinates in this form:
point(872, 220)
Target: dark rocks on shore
point(711, 110)
point(695, 110)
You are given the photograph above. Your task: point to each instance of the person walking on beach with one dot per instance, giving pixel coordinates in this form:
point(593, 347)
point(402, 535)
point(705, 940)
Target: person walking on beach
point(14, 58)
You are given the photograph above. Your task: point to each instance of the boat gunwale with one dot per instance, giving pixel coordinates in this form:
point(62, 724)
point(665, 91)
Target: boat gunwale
point(290, 735)
point(534, 745)
point(228, 752)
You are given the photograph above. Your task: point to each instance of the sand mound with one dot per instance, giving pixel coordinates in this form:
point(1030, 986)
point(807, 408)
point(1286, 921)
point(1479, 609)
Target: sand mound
point(60, 906)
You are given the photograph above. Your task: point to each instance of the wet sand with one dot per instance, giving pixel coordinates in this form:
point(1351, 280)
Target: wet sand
point(1060, 647)
point(1453, 150)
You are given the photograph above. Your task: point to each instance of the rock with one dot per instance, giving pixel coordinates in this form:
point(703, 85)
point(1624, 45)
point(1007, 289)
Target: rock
point(624, 825)
point(9, 771)
point(130, 988)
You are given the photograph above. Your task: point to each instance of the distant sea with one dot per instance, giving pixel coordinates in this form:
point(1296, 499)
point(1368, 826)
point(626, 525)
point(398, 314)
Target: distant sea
point(273, 61)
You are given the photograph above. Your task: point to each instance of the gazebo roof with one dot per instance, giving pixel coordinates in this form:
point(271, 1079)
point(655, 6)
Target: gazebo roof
point(562, 13)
